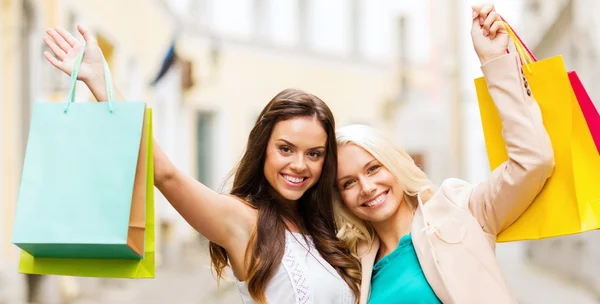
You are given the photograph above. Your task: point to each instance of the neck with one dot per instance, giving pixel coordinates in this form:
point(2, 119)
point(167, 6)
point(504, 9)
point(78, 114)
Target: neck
point(392, 229)
point(288, 210)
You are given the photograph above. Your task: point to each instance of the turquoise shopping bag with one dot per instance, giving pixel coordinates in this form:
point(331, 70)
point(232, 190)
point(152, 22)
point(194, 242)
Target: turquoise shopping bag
point(83, 187)
point(108, 268)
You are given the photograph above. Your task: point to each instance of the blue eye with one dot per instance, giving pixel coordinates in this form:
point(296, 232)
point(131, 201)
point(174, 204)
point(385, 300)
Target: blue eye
point(373, 168)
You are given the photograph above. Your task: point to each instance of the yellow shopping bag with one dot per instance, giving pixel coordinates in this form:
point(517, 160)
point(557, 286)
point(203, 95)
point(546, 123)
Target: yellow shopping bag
point(569, 202)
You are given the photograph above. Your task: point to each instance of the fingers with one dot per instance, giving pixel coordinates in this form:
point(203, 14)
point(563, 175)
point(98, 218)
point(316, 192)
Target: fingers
point(59, 40)
point(489, 20)
point(71, 40)
point(55, 48)
point(55, 62)
point(485, 10)
point(497, 27)
point(482, 11)
point(486, 16)
point(87, 34)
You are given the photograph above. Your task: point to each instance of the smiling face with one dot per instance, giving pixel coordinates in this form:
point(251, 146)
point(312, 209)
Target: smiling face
point(295, 156)
point(367, 188)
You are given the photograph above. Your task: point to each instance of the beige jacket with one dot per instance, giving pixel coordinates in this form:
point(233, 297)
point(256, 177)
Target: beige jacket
point(454, 232)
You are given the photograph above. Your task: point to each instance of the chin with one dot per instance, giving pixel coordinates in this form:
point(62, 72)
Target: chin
point(291, 195)
point(379, 217)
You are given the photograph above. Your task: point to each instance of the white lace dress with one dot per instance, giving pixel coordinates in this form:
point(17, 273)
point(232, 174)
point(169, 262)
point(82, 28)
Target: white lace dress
point(303, 278)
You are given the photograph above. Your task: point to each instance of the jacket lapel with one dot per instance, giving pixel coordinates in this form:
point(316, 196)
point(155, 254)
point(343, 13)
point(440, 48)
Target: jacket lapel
point(367, 261)
point(422, 231)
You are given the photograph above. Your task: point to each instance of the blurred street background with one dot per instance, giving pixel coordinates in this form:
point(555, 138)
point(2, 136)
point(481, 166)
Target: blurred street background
point(207, 67)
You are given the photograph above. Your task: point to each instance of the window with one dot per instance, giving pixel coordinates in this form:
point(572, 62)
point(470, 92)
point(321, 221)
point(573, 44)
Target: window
point(403, 54)
point(329, 31)
point(402, 47)
point(205, 130)
point(284, 21)
point(233, 17)
point(355, 25)
point(201, 10)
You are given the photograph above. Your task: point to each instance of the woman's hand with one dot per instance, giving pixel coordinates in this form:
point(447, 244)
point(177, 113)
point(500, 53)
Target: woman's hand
point(490, 37)
point(65, 48)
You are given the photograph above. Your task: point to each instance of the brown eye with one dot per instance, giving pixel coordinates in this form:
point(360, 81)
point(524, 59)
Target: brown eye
point(347, 184)
point(314, 154)
point(285, 149)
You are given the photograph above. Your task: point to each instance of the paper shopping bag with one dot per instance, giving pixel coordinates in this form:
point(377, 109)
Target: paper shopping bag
point(108, 268)
point(569, 202)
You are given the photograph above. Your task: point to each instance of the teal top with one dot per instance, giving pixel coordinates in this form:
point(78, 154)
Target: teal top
point(398, 278)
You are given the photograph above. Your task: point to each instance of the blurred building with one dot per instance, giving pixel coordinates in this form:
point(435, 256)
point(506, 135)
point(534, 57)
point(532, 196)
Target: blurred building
point(430, 118)
point(568, 28)
point(207, 68)
point(133, 41)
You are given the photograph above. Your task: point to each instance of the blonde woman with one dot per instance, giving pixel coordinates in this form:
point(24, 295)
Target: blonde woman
point(420, 245)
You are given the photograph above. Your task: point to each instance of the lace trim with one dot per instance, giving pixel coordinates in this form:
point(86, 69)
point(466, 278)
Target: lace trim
point(299, 281)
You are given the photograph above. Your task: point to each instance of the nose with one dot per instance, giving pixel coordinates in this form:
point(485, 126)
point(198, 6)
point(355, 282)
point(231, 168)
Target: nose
point(298, 165)
point(367, 188)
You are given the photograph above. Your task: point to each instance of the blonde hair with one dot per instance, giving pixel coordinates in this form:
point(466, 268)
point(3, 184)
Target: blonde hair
point(351, 229)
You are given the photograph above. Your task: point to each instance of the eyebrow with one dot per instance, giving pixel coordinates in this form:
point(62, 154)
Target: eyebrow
point(366, 165)
point(294, 146)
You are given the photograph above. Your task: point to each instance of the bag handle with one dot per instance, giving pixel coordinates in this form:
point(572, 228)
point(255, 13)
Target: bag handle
point(110, 91)
point(525, 54)
point(519, 39)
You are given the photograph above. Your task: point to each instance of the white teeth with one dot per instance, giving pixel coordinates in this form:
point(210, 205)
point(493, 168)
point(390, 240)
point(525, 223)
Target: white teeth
point(295, 180)
point(378, 200)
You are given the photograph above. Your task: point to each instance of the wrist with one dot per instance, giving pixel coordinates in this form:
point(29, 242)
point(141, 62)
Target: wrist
point(97, 86)
point(92, 80)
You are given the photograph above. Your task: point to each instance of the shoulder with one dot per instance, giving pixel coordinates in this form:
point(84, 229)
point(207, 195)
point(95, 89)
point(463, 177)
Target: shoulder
point(455, 191)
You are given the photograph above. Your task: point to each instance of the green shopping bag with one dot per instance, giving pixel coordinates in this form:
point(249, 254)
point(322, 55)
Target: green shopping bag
point(86, 199)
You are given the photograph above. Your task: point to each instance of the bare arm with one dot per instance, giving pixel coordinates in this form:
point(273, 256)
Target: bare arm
point(220, 218)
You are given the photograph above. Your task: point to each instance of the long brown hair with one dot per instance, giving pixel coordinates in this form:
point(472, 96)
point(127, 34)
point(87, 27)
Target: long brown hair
point(314, 209)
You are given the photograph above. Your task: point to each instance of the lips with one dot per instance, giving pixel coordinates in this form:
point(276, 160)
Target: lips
point(294, 180)
point(376, 201)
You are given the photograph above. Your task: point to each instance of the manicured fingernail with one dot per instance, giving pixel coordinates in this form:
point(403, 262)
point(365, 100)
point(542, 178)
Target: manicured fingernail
point(485, 33)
